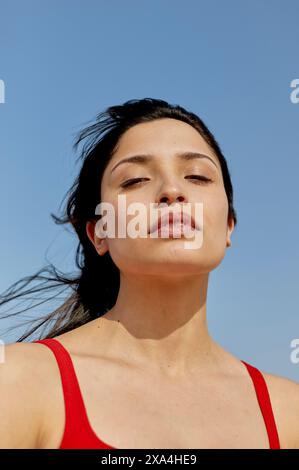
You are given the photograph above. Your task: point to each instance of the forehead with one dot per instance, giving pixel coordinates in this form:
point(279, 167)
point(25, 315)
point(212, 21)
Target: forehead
point(161, 137)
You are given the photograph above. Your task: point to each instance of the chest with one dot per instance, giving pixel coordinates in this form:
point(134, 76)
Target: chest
point(130, 409)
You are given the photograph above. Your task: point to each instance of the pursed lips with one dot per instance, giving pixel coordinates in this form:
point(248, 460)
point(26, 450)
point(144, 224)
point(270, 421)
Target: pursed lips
point(172, 219)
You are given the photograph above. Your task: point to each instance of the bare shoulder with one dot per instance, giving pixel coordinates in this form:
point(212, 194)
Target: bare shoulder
point(284, 395)
point(21, 386)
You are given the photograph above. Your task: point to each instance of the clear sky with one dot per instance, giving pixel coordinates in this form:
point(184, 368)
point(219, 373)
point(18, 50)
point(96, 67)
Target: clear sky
point(230, 62)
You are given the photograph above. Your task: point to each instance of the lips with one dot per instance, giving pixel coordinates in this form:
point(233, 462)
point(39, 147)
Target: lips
point(170, 219)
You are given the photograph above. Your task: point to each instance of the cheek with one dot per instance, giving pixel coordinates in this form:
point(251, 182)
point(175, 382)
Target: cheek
point(121, 215)
point(123, 249)
point(215, 213)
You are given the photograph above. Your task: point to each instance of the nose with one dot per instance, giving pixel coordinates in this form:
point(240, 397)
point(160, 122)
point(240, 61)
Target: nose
point(171, 195)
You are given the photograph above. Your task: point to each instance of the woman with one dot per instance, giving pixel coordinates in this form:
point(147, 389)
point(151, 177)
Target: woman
point(129, 362)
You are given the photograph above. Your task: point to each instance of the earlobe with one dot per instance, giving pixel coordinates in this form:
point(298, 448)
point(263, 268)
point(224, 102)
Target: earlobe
point(100, 244)
point(102, 247)
point(231, 226)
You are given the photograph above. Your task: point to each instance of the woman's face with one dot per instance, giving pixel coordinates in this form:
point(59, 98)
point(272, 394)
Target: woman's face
point(167, 179)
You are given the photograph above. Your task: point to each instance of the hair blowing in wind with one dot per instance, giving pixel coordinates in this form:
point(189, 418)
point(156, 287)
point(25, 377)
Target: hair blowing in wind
point(93, 290)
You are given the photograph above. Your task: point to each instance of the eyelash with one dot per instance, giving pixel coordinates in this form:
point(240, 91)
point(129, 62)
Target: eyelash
point(134, 181)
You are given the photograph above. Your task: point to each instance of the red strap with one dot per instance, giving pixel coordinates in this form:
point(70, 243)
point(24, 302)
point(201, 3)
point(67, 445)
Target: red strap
point(263, 397)
point(76, 420)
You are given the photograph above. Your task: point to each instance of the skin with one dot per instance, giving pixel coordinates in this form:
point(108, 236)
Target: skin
point(157, 332)
point(151, 270)
point(151, 361)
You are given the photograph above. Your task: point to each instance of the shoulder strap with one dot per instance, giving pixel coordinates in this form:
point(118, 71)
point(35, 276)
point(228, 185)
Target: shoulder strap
point(263, 397)
point(75, 413)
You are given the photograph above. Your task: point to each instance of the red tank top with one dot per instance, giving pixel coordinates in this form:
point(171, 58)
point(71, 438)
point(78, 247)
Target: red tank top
point(78, 433)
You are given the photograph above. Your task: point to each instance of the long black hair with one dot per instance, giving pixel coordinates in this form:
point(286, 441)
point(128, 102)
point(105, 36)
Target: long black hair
point(94, 290)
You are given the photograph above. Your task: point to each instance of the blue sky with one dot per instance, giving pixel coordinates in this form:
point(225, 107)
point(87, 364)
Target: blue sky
point(230, 62)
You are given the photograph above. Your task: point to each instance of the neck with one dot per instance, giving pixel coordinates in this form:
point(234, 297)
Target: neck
point(162, 325)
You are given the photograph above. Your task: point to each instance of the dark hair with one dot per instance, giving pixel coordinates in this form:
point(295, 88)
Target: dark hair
point(95, 289)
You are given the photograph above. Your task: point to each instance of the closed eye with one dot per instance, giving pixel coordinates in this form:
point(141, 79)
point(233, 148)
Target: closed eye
point(131, 182)
point(134, 181)
point(199, 178)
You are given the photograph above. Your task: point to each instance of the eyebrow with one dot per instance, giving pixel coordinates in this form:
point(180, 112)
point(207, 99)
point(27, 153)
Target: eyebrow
point(146, 158)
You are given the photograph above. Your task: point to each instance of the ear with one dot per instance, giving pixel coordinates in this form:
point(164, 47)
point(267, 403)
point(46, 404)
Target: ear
point(230, 229)
point(100, 244)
